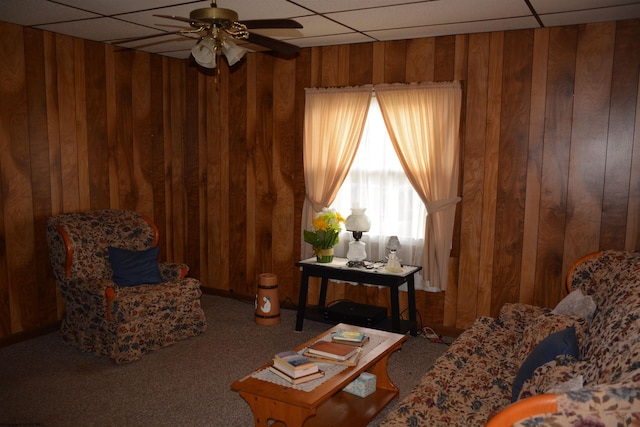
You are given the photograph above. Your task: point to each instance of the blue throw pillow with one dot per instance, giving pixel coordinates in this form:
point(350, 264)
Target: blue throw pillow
point(561, 342)
point(131, 268)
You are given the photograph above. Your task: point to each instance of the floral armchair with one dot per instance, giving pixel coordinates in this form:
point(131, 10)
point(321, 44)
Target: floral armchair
point(120, 302)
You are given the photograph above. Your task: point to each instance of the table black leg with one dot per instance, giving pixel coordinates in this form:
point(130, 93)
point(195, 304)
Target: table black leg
point(322, 300)
point(302, 300)
point(395, 309)
point(411, 296)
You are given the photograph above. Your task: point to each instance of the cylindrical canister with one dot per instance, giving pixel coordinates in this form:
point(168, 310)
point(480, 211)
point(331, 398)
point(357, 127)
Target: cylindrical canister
point(267, 302)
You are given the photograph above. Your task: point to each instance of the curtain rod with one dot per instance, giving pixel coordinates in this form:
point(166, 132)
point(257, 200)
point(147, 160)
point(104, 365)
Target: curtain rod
point(384, 86)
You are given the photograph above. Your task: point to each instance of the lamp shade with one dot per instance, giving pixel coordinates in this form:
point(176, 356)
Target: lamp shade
point(204, 53)
point(233, 52)
point(357, 221)
point(393, 244)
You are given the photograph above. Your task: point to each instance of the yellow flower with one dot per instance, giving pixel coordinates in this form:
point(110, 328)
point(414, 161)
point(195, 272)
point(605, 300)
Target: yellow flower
point(326, 228)
point(320, 223)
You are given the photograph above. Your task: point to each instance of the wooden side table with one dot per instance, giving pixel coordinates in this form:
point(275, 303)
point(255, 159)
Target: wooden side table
point(338, 270)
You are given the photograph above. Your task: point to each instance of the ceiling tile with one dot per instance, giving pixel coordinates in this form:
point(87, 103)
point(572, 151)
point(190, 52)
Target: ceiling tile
point(252, 9)
point(34, 12)
point(149, 18)
point(114, 7)
point(592, 15)
point(332, 40)
point(430, 13)
point(452, 29)
point(325, 6)
point(552, 6)
point(100, 29)
point(316, 25)
point(164, 43)
point(178, 54)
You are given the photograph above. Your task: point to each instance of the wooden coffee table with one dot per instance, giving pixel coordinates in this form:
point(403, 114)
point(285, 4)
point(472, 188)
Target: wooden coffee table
point(327, 404)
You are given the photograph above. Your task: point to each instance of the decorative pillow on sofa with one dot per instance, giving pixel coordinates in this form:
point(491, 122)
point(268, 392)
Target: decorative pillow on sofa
point(576, 304)
point(543, 326)
point(561, 342)
point(131, 268)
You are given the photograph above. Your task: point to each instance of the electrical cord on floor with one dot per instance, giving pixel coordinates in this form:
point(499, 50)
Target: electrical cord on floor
point(432, 336)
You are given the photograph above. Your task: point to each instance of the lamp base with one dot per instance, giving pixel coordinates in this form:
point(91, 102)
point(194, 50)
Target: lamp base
point(356, 254)
point(355, 263)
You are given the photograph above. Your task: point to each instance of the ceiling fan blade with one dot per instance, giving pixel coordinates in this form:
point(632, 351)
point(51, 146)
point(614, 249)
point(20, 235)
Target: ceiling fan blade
point(278, 46)
point(256, 24)
point(133, 39)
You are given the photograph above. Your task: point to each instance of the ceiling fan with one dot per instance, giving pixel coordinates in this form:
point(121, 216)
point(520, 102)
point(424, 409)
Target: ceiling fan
point(218, 27)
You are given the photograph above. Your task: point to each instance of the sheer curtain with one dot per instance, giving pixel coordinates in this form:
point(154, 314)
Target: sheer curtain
point(423, 121)
point(333, 125)
point(378, 183)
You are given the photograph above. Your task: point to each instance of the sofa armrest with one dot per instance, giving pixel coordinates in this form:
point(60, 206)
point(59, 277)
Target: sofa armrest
point(574, 267)
point(525, 408)
point(611, 404)
point(173, 271)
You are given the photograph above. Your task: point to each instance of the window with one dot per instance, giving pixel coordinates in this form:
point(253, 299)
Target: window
point(378, 183)
point(424, 120)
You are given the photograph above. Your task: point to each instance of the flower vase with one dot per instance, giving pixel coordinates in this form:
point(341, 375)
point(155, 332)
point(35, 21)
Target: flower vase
point(324, 255)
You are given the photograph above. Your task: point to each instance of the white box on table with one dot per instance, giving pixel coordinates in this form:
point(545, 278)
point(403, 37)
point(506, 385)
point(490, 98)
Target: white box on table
point(362, 386)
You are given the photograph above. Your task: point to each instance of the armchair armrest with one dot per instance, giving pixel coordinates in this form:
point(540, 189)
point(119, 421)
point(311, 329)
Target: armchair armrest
point(101, 291)
point(95, 288)
point(173, 271)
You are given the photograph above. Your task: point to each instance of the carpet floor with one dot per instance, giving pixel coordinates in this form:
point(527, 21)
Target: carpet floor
point(44, 382)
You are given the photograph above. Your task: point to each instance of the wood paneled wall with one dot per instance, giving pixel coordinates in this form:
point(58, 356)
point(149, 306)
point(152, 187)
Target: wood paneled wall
point(550, 158)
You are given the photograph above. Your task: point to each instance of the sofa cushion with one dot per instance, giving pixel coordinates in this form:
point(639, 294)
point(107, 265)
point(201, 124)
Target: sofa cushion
point(515, 316)
point(543, 326)
point(561, 342)
point(562, 369)
point(131, 268)
point(131, 302)
point(576, 304)
point(467, 384)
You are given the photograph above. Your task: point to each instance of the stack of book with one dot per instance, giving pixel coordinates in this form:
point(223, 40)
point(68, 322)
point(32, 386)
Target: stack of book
point(333, 352)
point(295, 368)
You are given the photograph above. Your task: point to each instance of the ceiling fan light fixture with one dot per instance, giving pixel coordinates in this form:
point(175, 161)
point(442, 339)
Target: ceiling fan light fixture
point(204, 52)
point(214, 14)
point(218, 27)
point(232, 51)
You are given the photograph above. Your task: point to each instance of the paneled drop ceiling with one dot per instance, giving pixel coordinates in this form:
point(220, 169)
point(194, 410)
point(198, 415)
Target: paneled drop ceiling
point(325, 22)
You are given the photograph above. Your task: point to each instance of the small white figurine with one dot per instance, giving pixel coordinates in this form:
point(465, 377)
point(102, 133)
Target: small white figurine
point(393, 263)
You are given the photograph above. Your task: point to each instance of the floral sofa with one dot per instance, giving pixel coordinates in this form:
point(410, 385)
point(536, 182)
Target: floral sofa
point(514, 371)
point(119, 301)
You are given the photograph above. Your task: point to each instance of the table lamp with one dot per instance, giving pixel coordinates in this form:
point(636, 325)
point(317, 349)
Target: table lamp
point(393, 262)
point(357, 223)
